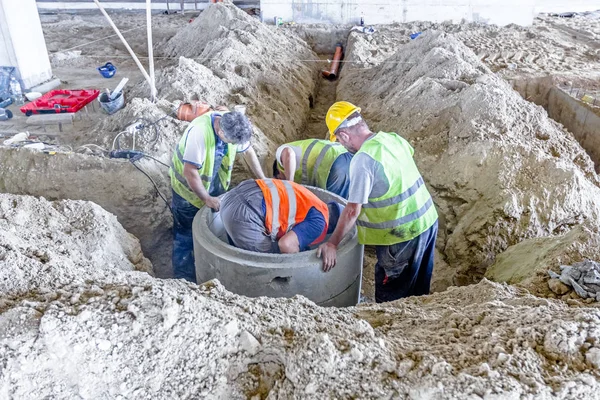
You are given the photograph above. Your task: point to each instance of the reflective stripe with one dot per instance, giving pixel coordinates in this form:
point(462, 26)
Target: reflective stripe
point(274, 207)
point(305, 161)
point(398, 198)
point(179, 155)
point(400, 221)
point(292, 205)
point(318, 163)
point(183, 181)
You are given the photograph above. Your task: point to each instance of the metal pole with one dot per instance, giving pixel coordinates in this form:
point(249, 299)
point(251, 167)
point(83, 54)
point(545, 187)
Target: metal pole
point(150, 49)
point(137, 61)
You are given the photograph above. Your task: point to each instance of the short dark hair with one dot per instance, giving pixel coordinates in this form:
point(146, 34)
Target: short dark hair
point(276, 171)
point(236, 127)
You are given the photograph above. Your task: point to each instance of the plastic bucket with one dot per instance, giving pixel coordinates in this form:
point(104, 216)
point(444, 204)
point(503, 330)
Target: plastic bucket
point(111, 106)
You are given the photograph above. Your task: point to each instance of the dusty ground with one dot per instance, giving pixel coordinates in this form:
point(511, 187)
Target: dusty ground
point(78, 321)
point(78, 44)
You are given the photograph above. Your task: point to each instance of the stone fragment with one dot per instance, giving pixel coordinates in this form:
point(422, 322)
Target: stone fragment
point(558, 287)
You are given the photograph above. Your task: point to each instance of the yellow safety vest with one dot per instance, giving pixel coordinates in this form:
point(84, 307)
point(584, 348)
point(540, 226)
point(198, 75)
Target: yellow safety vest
point(315, 162)
point(178, 182)
point(407, 209)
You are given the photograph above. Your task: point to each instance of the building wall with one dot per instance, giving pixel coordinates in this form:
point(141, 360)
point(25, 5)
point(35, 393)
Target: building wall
point(500, 12)
point(174, 5)
point(547, 6)
point(22, 42)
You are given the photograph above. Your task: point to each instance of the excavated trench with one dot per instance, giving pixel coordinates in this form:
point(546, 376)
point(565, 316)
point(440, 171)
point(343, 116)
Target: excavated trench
point(287, 99)
point(506, 180)
point(574, 104)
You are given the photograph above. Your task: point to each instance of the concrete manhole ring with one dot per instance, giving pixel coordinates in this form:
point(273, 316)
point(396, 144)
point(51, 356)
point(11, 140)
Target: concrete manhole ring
point(277, 275)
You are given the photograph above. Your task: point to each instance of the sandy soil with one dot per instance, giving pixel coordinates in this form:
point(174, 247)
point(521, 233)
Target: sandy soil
point(515, 191)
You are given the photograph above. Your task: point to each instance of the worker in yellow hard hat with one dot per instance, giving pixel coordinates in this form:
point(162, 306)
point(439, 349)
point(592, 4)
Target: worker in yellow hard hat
point(390, 204)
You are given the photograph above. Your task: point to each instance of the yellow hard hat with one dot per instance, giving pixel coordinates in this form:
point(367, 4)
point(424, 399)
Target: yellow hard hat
point(337, 114)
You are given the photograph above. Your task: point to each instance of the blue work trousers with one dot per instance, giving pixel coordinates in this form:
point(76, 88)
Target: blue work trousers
point(183, 243)
point(409, 266)
point(338, 181)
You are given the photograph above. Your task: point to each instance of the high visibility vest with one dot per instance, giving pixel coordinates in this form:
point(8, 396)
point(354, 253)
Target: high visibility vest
point(178, 182)
point(407, 209)
point(287, 204)
point(316, 160)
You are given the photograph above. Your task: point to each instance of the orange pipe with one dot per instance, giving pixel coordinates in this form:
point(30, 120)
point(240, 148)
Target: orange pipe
point(192, 110)
point(335, 65)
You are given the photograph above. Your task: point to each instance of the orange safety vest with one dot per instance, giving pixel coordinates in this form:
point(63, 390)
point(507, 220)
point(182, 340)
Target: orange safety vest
point(287, 204)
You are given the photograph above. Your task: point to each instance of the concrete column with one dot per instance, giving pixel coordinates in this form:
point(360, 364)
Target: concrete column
point(22, 42)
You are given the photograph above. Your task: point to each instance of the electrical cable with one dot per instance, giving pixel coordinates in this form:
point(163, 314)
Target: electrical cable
point(157, 160)
point(139, 125)
point(87, 147)
point(153, 183)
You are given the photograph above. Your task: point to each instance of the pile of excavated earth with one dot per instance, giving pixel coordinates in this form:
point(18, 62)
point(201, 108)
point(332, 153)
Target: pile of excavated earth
point(82, 316)
point(226, 57)
point(78, 321)
point(501, 172)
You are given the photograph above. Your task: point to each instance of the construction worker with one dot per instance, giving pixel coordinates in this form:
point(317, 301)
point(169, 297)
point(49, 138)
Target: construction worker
point(200, 171)
point(274, 216)
point(390, 204)
point(314, 162)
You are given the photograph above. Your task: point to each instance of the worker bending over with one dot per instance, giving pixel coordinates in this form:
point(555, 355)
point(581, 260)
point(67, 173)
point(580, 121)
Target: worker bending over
point(314, 162)
point(200, 171)
point(390, 204)
point(274, 216)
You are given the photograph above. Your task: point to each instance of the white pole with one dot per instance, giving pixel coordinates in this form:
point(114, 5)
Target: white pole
point(137, 61)
point(150, 50)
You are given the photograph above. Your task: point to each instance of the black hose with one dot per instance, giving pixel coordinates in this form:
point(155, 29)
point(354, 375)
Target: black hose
point(154, 184)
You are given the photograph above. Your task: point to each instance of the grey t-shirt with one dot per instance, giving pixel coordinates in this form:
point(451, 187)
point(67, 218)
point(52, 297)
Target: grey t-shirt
point(367, 179)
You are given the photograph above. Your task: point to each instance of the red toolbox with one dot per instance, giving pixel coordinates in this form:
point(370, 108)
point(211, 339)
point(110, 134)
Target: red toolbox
point(60, 101)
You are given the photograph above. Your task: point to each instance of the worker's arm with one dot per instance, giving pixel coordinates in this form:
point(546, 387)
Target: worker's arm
point(252, 161)
point(288, 160)
point(327, 251)
point(289, 243)
point(190, 172)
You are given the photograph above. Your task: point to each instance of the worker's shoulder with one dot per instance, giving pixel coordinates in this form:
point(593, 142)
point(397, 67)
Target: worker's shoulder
point(363, 160)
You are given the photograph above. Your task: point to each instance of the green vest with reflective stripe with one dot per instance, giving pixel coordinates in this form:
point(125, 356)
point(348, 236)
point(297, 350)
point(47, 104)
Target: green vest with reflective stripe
point(406, 210)
point(178, 182)
point(316, 160)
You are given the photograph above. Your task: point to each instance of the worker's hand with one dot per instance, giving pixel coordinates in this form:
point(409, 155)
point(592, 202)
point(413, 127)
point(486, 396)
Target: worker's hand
point(221, 108)
point(213, 202)
point(327, 251)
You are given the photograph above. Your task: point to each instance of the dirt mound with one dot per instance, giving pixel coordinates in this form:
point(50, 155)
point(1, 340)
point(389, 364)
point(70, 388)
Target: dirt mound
point(244, 62)
point(47, 244)
point(500, 170)
point(527, 263)
point(228, 57)
point(145, 338)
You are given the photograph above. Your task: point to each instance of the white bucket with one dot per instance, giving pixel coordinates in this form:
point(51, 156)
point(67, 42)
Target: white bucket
point(111, 106)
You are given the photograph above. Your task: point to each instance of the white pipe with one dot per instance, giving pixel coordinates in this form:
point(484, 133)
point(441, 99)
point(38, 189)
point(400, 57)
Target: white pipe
point(150, 50)
point(139, 64)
